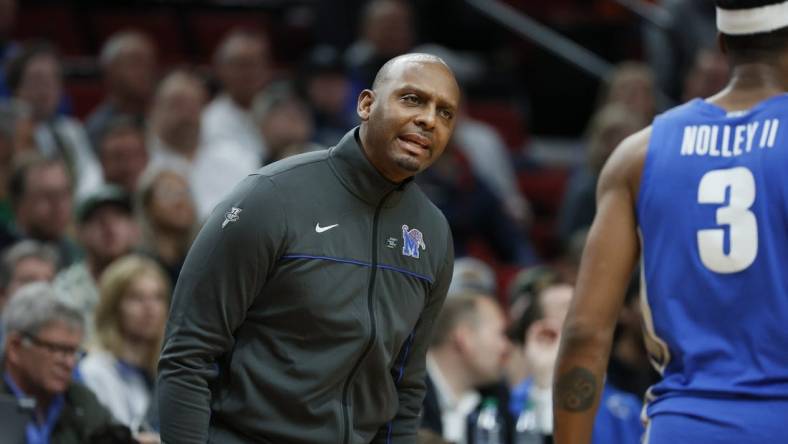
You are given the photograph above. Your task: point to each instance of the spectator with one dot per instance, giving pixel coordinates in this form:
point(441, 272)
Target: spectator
point(167, 217)
point(106, 231)
point(128, 61)
point(122, 152)
point(631, 86)
point(324, 83)
point(177, 142)
point(129, 328)
point(42, 347)
point(708, 75)
point(671, 50)
point(468, 350)
point(475, 214)
point(492, 163)
point(25, 262)
point(535, 333)
point(630, 368)
point(284, 120)
point(387, 30)
point(243, 66)
point(35, 77)
point(472, 275)
point(41, 198)
point(609, 126)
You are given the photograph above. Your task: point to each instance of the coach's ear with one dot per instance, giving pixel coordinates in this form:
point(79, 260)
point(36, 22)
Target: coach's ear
point(364, 106)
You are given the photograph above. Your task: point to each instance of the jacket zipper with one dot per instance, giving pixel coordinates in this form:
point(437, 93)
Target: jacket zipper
point(372, 322)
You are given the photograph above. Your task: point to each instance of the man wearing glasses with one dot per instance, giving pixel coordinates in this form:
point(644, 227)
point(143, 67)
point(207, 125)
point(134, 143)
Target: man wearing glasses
point(42, 346)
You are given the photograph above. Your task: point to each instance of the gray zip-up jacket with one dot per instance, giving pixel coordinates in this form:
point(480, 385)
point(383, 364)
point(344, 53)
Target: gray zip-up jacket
point(305, 307)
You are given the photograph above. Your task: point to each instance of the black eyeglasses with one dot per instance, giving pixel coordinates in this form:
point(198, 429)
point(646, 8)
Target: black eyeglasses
point(65, 351)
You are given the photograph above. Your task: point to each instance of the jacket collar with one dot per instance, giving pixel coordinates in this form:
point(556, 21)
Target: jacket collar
point(358, 175)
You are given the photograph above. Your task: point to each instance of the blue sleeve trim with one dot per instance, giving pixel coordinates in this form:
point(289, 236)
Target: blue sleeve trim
point(360, 263)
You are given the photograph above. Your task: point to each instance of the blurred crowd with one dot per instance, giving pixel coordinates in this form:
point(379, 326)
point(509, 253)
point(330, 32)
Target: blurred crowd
point(97, 212)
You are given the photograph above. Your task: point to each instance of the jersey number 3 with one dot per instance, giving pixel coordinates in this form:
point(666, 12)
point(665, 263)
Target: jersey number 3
point(742, 226)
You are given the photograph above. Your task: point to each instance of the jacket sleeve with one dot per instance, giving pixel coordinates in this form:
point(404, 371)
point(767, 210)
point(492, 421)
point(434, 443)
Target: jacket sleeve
point(411, 379)
point(224, 272)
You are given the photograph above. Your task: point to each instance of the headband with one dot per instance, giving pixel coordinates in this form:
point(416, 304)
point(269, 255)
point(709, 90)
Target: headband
point(752, 20)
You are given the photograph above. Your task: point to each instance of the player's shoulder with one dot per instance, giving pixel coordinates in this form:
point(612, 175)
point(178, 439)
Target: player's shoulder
point(625, 165)
point(294, 163)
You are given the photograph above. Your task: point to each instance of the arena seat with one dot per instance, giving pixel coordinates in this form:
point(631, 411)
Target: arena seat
point(55, 22)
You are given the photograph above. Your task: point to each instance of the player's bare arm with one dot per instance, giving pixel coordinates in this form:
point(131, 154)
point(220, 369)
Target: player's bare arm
point(610, 255)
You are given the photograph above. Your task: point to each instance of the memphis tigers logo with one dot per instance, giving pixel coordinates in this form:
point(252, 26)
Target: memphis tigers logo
point(412, 240)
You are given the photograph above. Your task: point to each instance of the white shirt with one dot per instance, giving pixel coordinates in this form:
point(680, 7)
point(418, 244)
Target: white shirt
point(124, 393)
point(490, 159)
point(213, 172)
point(542, 400)
point(73, 140)
point(454, 408)
point(223, 121)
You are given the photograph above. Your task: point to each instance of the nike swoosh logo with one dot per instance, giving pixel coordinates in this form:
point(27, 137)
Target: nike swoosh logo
point(320, 229)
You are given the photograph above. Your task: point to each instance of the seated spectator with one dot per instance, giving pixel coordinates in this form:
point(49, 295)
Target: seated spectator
point(128, 62)
point(609, 126)
point(708, 75)
point(387, 30)
point(491, 162)
point(129, 328)
point(243, 66)
point(475, 213)
point(480, 143)
point(285, 122)
point(536, 334)
point(472, 275)
point(176, 141)
point(630, 368)
point(106, 230)
point(122, 152)
point(167, 218)
point(631, 86)
point(35, 77)
point(468, 350)
point(671, 47)
point(41, 197)
point(24, 262)
point(42, 347)
point(324, 83)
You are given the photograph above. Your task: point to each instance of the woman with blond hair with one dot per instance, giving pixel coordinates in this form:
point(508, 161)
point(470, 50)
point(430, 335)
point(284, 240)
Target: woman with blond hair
point(130, 318)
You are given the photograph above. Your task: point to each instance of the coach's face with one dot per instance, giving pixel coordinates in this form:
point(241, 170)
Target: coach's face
point(409, 117)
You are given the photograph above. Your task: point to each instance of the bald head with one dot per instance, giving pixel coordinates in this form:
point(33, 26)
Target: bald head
point(408, 116)
point(394, 66)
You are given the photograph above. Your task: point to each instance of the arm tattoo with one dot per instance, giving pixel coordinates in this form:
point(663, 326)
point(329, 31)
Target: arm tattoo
point(576, 390)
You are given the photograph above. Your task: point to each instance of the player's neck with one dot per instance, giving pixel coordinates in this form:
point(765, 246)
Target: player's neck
point(750, 84)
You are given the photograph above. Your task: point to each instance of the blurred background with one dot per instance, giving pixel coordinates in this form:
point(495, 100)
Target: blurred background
point(123, 123)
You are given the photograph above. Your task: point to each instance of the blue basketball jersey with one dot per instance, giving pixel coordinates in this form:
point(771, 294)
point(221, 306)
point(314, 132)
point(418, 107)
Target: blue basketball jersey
point(713, 217)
